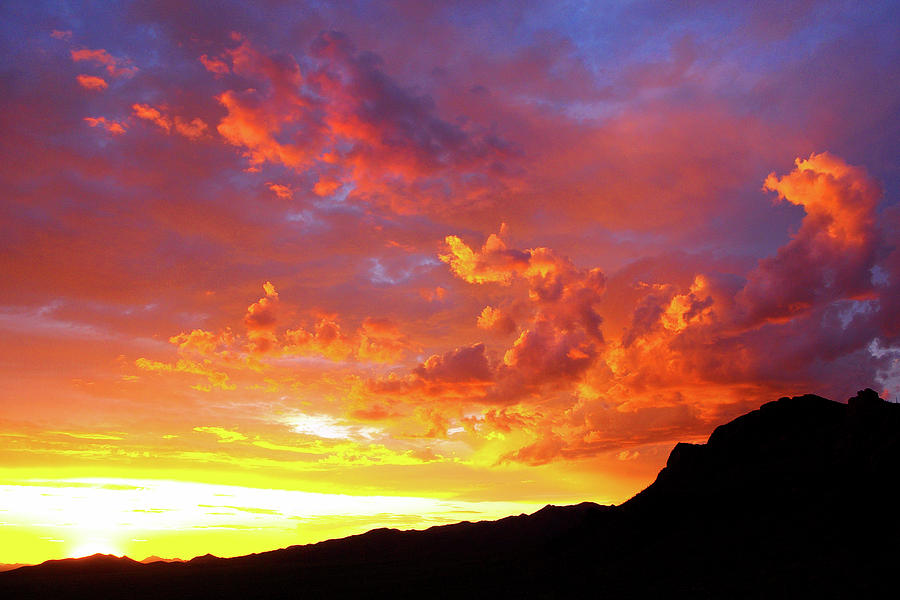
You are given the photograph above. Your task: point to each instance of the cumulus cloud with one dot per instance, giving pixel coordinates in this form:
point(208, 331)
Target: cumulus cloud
point(89, 82)
point(496, 320)
point(193, 129)
point(325, 338)
point(833, 252)
point(686, 344)
point(376, 340)
point(464, 373)
point(494, 262)
point(565, 295)
point(466, 364)
point(560, 334)
point(692, 341)
point(544, 353)
point(261, 319)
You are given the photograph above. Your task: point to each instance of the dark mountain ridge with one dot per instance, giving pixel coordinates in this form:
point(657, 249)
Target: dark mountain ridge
point(793, 499)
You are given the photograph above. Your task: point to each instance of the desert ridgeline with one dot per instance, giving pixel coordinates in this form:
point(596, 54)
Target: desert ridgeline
point(794, 499)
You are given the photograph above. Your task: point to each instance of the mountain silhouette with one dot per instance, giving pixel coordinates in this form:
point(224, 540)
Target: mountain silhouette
point(795, 499)
point(11, 566)
point(153, 558)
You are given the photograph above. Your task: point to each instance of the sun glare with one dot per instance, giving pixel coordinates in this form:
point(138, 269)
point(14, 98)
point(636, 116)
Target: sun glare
point(89, 547)
point(141, 517)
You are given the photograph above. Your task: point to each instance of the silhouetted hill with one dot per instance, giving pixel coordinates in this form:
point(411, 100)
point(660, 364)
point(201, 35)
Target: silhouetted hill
point(154, 558)
point(793, 500)
point(10, 567)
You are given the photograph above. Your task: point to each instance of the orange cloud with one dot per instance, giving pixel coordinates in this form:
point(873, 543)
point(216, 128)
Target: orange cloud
point(257, 118)
point(339, 117)
point(282, 191)
point(376, 340)
point(544, 353)
point(560, 338)
point(216, 379)
point(496, 320)
point(89, 82)
point(260, 320)
point(688, 347)
point(116, 67)
point(114, 127)
point(548, 447)
point(326, 187)
point(832, 253)
point(692, 341)
point(564, 294)
point(461, 365)
point(326, 339)
point(433, 294)
point(148, 113)
point(494, 263)
point(246, 126)
point(204, 343)
point(380, 340)
point(215, 65)
point(193, 129)
point(463, 374)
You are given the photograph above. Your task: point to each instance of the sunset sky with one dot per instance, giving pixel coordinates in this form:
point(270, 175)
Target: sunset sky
point(274, 272)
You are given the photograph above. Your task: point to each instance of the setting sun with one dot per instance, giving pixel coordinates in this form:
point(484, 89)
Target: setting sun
point(92, 546)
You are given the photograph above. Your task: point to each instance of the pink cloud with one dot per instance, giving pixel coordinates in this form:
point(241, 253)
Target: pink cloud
point(282, 191)
point(831, 255)
point(193, 129)
point(116, 67)
point(461, 365)
point(89, 82)
point(342, 117)
point(114, 127)
point(694, 344)
point(215, 65)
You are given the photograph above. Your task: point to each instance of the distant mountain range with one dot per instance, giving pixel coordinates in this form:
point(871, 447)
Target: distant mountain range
point(153, 559)
point(10, 567)
point(796, 499)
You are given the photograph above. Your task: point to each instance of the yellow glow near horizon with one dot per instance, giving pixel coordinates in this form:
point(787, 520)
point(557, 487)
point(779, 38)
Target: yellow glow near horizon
point(45, 519)
point(93, 546)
